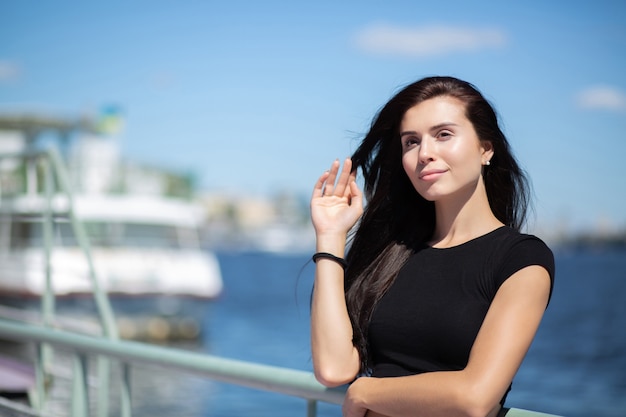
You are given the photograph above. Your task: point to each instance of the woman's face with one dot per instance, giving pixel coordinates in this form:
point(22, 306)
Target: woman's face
point(441, 152)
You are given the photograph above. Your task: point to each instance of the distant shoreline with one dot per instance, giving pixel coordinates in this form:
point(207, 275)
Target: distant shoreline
point(592, 241)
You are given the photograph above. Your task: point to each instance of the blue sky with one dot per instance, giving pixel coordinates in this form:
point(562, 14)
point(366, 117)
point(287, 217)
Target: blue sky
point(255, 97)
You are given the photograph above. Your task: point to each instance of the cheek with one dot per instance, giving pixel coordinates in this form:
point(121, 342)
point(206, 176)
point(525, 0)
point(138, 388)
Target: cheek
point(408, 163)
point(469, 170)
point(463, 157)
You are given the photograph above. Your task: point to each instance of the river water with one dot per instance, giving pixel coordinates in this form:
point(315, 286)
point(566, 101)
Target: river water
point(576, 366)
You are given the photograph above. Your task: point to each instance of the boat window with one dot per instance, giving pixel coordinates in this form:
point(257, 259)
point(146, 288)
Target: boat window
point(132, 235)
point(150, 235)
point(21, 233)
point(27, 232)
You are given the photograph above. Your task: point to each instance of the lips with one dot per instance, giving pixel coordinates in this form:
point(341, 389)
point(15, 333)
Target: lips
point(431, 174)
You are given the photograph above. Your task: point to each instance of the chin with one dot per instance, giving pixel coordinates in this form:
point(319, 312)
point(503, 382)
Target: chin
point(429, 194)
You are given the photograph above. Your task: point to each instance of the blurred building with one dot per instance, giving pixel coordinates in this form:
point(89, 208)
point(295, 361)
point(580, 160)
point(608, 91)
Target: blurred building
point(278, 223)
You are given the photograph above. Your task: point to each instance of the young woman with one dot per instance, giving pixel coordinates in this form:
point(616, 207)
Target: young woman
point(440, 294)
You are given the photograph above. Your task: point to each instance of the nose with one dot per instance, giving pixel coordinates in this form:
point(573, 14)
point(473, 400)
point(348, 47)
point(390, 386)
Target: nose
point(425, 154)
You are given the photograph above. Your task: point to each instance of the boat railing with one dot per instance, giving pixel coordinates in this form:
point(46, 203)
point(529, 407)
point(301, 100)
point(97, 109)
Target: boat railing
point(107, 347)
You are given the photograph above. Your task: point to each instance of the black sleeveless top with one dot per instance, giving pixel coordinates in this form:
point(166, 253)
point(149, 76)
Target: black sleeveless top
point(429, 318)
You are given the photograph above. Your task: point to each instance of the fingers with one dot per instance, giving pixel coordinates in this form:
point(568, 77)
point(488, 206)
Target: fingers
point(343, 184)
point(332, 176)
point(356, 196)
point(335, 183)
point(318, 190)
point(348, 192)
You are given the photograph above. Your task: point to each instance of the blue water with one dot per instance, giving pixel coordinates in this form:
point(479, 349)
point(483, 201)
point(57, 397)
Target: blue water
point(576, 366)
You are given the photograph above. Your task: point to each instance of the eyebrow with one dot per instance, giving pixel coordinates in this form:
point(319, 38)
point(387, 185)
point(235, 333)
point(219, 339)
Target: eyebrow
point(436, 127)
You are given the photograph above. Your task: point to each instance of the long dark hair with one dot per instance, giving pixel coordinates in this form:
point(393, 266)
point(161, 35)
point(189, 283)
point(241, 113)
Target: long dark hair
point(397, 220)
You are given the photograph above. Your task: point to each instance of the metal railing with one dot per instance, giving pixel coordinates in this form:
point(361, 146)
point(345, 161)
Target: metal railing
point(252, 375)
point(285, 381)
point(109, 347)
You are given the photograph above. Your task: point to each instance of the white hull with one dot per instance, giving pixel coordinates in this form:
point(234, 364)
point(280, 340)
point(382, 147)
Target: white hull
point(139, 246)
point(119, 271)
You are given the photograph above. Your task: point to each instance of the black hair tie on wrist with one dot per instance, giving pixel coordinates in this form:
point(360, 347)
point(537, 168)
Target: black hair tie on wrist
point(325, 255)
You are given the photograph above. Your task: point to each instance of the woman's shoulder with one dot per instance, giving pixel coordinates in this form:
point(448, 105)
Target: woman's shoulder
point(516, 250)
point(509, 238)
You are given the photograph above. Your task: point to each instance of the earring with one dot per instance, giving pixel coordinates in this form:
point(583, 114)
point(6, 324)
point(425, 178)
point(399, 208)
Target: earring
point(487, 163)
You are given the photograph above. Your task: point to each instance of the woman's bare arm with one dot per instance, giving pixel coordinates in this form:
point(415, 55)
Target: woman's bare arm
point(336, 205)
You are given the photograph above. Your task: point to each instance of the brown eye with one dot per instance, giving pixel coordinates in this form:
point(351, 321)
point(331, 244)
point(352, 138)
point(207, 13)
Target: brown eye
point(444, 134)
point(411, 141)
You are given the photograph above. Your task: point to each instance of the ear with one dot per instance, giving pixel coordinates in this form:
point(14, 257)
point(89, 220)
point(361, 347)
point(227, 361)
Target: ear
point(486, 148)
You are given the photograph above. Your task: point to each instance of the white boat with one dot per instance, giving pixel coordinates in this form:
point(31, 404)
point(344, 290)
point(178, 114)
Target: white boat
point(146, 255)
point(140, 245)
point(144, 242)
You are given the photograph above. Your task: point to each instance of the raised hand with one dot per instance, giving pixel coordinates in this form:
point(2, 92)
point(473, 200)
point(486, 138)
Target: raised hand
point(337, 201)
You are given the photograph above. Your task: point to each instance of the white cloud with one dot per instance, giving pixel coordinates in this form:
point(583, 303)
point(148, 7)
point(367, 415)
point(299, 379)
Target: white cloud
point(9, 71)
point(426, 41)
point(602, 98)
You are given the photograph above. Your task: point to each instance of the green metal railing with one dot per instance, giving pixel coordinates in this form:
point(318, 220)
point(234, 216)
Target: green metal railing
point(253, 375)
point(108, 347)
